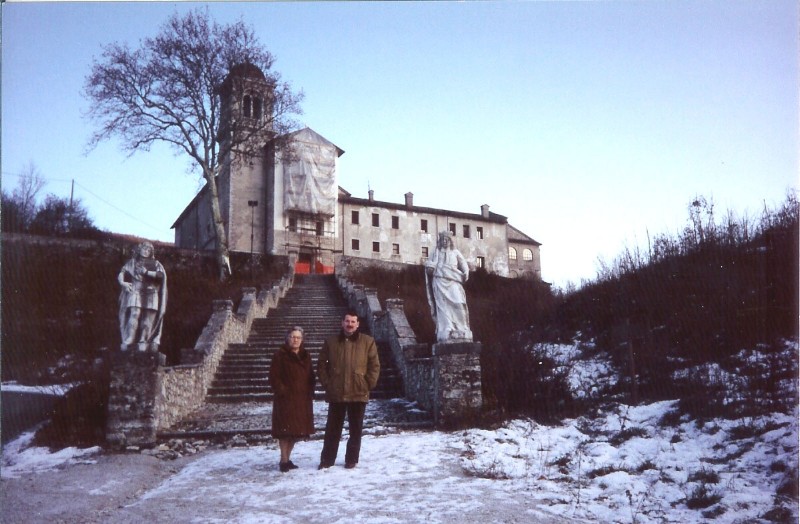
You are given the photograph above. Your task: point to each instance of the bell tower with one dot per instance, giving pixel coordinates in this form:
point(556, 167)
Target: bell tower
point(245, 109)
point(245, 128)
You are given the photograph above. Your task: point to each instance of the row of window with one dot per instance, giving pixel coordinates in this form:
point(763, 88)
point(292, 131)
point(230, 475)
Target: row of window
point(423, 225)
point(527, 254)
point(355, 245)
point(316, 227)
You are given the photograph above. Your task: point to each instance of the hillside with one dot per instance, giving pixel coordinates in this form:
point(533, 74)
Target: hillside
point(694, 301)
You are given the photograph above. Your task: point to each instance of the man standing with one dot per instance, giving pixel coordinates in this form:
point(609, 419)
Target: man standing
point(348, 369)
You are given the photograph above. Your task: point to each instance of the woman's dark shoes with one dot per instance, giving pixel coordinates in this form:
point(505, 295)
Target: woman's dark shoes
point(286, 466)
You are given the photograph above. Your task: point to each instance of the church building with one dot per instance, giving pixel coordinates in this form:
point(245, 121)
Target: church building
point(290, 203)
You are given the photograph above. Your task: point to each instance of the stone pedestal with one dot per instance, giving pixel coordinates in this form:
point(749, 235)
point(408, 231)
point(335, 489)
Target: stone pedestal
point(131, 399)
point(457, 383)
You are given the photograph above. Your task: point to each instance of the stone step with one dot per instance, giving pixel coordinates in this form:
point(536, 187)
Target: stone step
point(268, 348)
point(314, 303)
point(264, 396)
point(240, 375)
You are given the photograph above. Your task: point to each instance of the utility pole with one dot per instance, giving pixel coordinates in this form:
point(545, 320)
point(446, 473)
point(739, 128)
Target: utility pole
point(70, 213)
point(252, 204)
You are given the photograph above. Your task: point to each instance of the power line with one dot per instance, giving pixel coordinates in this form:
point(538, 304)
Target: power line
point(101, 199)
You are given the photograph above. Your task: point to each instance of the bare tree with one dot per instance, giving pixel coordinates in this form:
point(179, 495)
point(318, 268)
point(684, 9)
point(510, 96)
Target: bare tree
point(168, 90)
point(24, 195)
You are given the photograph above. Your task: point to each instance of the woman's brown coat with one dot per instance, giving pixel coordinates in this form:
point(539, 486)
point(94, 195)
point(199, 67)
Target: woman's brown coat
point(292, 379)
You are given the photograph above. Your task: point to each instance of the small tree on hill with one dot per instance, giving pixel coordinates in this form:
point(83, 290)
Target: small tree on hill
point(168, 90)
point(61, 217)
point(19, 207)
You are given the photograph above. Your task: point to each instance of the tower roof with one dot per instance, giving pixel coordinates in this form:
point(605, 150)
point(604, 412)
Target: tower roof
point(247, 70)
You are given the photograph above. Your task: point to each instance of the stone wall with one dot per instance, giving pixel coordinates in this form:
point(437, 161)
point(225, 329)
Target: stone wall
point(147, 397)
point(444, 379)
point(348, 264)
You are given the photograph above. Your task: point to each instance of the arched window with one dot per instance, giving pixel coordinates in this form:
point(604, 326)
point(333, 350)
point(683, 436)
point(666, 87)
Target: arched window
point(257, 108)
point(527, 255)
point(247, 106)
point(512, 253)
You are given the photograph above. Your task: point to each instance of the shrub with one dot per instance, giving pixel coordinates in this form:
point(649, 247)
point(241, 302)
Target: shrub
point(702, 497)
point(626, 434)
point(706, 476)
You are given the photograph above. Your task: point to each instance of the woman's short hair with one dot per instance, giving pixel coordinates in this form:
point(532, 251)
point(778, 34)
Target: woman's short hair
point(292, 330)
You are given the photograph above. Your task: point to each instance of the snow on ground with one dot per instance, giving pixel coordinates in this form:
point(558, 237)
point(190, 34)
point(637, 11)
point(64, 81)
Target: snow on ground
point(19, 457)
point(408, 477)
point(624, 464)
point(625, 468)
point(55, 389)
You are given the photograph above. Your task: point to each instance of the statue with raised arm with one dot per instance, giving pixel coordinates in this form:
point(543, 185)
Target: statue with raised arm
point(445, 274)
point(143, 300)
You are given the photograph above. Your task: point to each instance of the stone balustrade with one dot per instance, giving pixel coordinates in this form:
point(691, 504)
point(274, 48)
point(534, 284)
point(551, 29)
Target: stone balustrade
point(146, 396)
point(444, 379)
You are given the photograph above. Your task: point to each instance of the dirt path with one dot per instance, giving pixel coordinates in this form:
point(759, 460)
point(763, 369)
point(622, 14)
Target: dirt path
point(83, 492)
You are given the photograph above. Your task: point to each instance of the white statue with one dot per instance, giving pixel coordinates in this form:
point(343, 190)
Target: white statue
point(143, 300)
point(445, 274)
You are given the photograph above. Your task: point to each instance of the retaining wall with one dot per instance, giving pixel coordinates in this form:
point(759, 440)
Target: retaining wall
point(146, 396)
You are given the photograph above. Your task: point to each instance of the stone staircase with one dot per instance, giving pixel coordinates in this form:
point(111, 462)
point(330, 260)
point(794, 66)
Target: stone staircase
point(238, 405)
point(314, 303)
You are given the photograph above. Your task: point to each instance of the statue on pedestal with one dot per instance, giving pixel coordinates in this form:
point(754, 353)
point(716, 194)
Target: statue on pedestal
point(143, 300)
point(445, 274)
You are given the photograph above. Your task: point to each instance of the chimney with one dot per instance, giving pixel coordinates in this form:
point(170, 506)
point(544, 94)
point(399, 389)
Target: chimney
point(409, 199)
point(485, 210)
point(371, 195)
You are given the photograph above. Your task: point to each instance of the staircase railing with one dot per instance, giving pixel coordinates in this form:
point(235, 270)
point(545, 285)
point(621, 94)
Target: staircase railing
point(145, 396)
point(444, 379)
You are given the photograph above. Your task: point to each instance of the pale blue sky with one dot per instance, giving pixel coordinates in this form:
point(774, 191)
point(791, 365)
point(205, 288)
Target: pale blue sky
point(586, 123)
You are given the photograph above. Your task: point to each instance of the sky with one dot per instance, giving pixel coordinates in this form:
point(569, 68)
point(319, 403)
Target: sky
point(588, 124)
point(619, 464)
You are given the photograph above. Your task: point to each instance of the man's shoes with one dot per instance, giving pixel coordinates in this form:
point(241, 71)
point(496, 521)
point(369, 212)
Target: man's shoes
point(324, 466)
point(350, 465)
point(291, 465)
point(284, 466)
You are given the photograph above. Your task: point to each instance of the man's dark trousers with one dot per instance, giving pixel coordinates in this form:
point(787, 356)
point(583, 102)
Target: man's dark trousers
point(333, 431)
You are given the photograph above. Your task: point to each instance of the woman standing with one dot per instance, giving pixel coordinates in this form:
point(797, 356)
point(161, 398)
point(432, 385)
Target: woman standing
point(292, 379)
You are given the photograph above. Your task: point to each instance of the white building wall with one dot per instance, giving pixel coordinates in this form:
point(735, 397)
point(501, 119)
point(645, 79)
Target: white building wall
point(410, 239)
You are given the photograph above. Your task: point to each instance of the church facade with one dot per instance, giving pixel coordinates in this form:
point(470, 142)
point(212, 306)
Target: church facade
point(290, 203)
